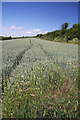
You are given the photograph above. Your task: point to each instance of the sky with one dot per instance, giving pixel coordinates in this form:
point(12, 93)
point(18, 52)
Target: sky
point(32, 18)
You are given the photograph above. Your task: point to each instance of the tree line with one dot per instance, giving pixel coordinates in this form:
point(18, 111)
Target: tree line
point(64, 34)
point(5, 38)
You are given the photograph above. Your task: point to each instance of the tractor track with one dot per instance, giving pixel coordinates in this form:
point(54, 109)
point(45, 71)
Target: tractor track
point(6, 72)
point(48, 55)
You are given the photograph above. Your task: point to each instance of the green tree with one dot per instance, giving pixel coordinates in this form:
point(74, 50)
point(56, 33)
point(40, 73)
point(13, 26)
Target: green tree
point(9, 37)
point(65, 25)
point(39, 35)
point(75, 26)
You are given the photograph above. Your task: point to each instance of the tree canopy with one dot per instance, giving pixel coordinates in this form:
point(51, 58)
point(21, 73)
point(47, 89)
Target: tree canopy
point(63, 35)
point(65, 25)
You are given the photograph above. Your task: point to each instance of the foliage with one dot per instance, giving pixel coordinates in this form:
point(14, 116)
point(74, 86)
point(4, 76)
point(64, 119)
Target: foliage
point(64, 35)
point(39, 35)
point(65, 25)
point(6, 38)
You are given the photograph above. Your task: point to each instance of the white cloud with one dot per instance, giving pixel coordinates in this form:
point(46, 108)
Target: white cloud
point(14, 27)
point(17, 31)
point(28, 32)
point(42, 32)
point(36, 30)
point(20, 28)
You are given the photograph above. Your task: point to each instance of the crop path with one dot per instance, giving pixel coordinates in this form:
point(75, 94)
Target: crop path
point(6, 72)
point(39, 52)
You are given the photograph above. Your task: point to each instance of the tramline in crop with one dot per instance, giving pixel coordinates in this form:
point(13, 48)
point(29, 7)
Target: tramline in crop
point(43, 77)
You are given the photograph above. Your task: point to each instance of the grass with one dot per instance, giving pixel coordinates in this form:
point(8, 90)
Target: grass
point(53, 95)
point(44, 82)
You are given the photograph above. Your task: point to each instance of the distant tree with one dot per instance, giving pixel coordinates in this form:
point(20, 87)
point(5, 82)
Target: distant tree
point(75, 26)
point(79, 26)
point(63, 31)
point(10, 37)
point(39, 35)
point(65, 25)
point(63, 35)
